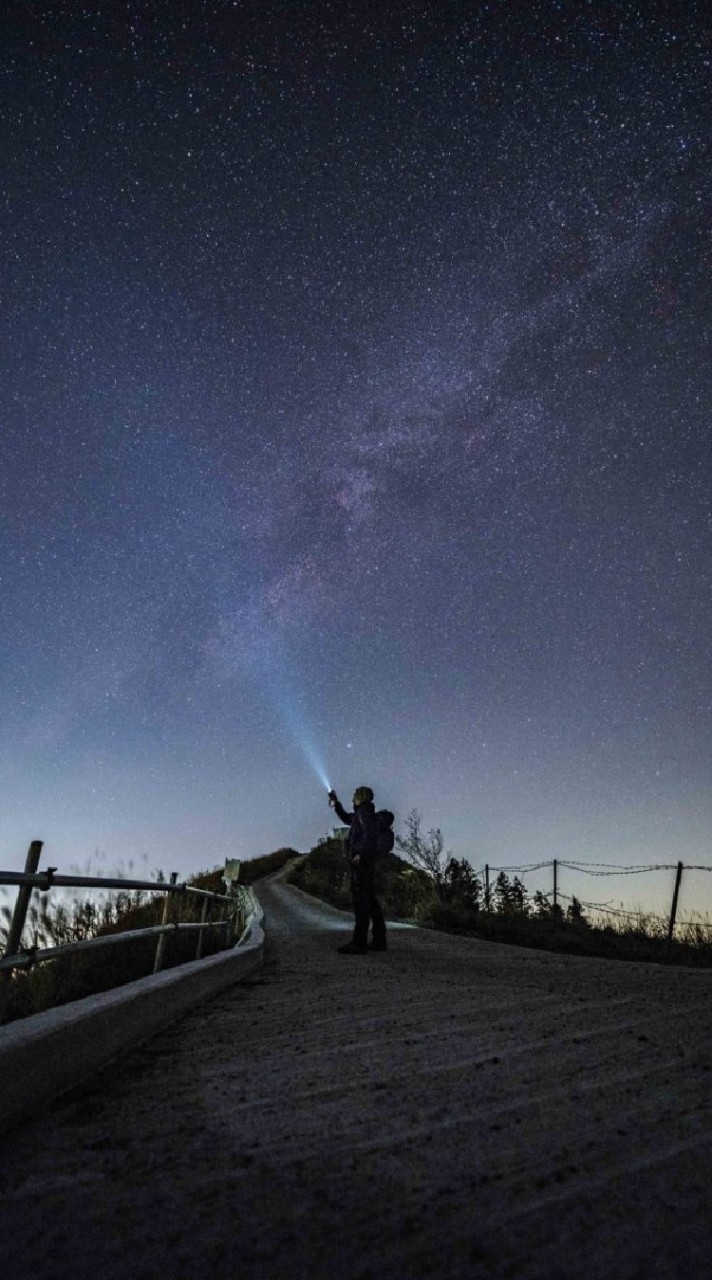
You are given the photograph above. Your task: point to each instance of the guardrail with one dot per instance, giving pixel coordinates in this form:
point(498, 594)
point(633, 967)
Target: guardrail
point(15, 958)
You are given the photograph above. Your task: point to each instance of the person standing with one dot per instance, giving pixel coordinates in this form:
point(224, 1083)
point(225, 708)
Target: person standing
point(361, 851)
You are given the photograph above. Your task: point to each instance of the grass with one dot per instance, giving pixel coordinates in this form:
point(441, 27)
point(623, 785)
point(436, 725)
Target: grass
point(67, 978)
point(642, 939)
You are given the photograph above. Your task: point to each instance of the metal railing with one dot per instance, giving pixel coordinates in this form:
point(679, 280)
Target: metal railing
point(15, 958)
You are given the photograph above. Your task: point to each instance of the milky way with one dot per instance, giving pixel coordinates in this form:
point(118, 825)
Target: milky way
point(355, 392)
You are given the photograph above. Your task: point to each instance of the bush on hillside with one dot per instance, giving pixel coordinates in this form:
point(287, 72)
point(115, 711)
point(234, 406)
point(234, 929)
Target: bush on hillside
point(324, 872)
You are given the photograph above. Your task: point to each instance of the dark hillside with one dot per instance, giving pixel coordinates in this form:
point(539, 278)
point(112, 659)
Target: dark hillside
point(324, 873)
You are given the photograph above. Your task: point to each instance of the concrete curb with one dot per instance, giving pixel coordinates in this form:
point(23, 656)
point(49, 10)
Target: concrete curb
point(43, 1056)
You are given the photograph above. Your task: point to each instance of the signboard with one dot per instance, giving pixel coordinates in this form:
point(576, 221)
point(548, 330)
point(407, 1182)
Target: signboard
point(231, 874)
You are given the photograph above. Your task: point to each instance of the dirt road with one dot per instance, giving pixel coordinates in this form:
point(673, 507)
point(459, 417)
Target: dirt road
point(452, 1108)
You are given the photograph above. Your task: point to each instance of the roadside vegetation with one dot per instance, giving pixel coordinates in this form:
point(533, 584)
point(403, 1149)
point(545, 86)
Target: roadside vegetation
point(424, 884)
point(67, 978)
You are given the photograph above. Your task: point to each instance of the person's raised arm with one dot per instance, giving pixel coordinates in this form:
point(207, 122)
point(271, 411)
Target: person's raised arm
point(346, 818)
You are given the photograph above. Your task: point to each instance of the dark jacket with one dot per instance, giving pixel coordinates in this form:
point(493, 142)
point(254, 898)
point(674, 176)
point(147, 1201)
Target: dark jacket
point(363, 832)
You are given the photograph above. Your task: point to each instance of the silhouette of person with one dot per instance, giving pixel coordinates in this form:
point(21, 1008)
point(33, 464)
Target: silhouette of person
point(361, 851)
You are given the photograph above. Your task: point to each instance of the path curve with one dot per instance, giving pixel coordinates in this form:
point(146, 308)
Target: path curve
point(453, 1108)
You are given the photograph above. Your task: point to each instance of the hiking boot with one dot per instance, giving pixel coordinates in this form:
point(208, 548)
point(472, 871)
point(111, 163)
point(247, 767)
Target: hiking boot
point(378, 946)
point(350, 949)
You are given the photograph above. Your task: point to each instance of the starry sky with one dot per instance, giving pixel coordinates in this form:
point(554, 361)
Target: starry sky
point(355, 426)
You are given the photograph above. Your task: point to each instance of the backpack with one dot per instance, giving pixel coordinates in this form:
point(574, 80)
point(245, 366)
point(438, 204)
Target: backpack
point(385, 838)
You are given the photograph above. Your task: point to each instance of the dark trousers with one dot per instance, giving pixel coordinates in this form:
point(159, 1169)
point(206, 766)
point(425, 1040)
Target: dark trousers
point(366, 905)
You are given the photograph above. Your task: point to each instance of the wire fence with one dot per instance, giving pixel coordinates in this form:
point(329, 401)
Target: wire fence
point(554, 896)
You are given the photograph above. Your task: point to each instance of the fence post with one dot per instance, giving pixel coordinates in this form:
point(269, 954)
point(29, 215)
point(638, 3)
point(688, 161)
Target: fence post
point(487, 887)
point(673, 909)
point(240, 916)
point(231, 926)
point(230, 916)
point(161, 944)
point(203, 918)
point(19, 915)
point(556, 886)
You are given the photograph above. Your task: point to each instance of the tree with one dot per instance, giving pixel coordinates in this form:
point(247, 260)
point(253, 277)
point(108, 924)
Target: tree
point(510, 895)
point(502, 893)
point(545, 909)
point(520, 897)
point(425, 851)
point(461, 884)
point(574, 912)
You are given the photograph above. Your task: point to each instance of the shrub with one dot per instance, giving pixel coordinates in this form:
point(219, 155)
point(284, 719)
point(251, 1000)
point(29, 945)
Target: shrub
point(324, 872)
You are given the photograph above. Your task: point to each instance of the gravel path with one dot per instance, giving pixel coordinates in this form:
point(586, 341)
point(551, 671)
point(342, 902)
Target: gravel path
point(452, 1108)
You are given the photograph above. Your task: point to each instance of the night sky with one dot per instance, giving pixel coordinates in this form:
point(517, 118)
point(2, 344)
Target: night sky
point(355, 410)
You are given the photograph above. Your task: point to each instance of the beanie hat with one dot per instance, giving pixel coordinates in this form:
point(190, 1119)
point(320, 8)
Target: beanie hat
point(362, 795)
